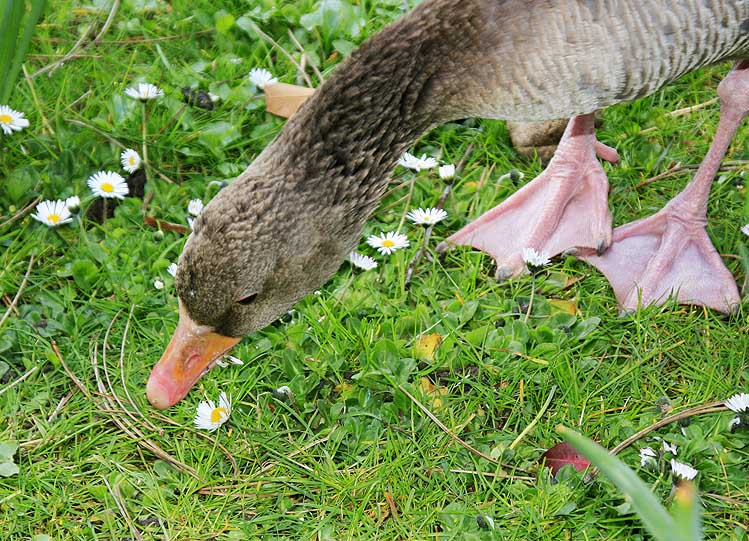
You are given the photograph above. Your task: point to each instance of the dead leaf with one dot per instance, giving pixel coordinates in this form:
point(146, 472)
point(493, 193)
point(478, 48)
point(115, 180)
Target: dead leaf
point(561, 455)
point(426, 345)
point(283, 100)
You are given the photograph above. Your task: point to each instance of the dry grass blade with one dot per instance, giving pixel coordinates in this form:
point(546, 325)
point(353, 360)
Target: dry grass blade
point(120, 503)
point(18, 293)
point(500, 475)
point(19, 380)
point(122, 421)
point(444, 428)
point(73, 53)
point(132, 402)
point(20, 213)
point(711, 407)
point(283, 51)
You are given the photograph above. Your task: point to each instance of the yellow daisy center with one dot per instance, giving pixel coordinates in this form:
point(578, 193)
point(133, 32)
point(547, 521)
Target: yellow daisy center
point(107, 187)
point(217, 414)
point(387, 243)
point(6, 119)
point(53, 218)
point(131, 160)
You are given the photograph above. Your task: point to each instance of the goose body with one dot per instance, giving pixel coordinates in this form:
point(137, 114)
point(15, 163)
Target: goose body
point(282, 228)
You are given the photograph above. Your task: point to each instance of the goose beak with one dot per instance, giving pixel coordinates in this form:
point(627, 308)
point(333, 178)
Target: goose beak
point(191, 352)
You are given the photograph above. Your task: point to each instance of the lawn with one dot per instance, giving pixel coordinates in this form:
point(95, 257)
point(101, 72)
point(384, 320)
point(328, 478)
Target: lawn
point(329, 436)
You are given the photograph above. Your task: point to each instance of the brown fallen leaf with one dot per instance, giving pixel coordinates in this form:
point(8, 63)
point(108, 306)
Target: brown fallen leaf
point(284, 100)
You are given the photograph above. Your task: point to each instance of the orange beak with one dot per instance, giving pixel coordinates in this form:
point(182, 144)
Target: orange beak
point(191, 352)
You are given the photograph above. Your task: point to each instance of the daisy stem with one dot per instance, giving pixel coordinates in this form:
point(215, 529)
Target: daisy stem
point(144, 146)
point(103, 210)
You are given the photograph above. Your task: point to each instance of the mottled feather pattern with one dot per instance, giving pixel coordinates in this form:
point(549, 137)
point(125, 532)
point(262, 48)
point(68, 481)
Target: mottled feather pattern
point(283, 227)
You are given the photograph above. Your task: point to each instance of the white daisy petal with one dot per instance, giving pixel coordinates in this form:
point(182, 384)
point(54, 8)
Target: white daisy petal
point(158, 284)
point(647, 456)
point(73, 202)
point(195, 207)
point(12, 120)
point(534, 258)
point(447, 171)
point(669, 448)
point(130, 160)
point(209, 416)
point(261, 77)
point(108, 184)
point(738, 403)
point(387, 243)
point(172, 269)
point(745, 229)
point(144, 91)
point(683, 471)
point(362, 261)
point(52, 213)
point(734, 423)
point(429, 216)
point(410, 161)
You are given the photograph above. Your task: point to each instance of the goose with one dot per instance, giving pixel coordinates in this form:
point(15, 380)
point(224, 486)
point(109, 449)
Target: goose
point(284, 226)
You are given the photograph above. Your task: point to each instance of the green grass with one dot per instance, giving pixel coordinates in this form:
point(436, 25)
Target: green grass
point(323, 465)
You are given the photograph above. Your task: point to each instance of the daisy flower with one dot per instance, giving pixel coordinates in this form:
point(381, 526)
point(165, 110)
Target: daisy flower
point(73, 202)
point(229, 359)
point(11, 120)
point(428, 216)
point(668, 448)
point(261, 77)
point(195, 207)
point(209, 416)
point(745, 229)
point(409, 161)
point(130, 160)
point(144, 91)
point(387, 243)
point(172, 269)
point(283, 393)
point(52, 213)
point(738, 403)
point(158, 284)
point(647, 456)
point(108, 184)
point(683, 471)
point(512, 174)
point(447, 171)
point(534, 258)
point(362, 261)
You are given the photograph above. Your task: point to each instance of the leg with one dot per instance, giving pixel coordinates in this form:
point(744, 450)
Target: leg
point(564, 207)
point(670, 253)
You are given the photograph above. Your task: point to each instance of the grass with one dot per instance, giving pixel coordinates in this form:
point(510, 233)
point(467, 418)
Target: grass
point(349, 456)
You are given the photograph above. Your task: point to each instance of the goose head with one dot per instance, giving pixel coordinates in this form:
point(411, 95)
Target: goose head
point(260, 246)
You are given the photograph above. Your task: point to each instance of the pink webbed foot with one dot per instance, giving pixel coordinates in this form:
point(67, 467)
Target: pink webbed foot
point(669, 253)
point(664, 256)
point(565, 207)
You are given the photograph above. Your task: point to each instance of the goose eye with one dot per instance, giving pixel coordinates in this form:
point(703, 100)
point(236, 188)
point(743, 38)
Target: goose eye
point(247, 299)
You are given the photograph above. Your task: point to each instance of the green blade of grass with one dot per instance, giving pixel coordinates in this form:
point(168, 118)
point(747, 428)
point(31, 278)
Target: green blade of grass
point(37, 8)
point(11, 13)
point(655, 517)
